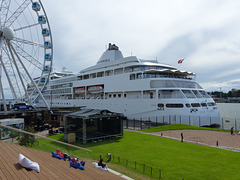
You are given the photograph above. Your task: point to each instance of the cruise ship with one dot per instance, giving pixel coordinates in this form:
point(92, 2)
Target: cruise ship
point(139, 89)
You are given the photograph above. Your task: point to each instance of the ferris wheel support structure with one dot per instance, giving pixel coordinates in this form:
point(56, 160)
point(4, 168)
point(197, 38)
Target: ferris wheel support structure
point(1, 87)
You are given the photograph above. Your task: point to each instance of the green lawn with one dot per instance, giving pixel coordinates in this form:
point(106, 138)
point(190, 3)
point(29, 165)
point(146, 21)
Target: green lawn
point(180, 126)
point(175, 159)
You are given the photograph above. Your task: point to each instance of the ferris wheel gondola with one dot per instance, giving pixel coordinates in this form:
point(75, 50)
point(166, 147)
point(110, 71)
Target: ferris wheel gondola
point(26, 50)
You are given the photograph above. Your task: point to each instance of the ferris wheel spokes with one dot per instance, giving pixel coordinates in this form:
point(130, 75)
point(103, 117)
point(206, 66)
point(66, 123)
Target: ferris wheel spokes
point(29, 76)
point(4, 11)
point(21, 28)
point(28, 57)
point(15, 14)
point(28, 42)
point(1, 87)
point(8, 79)
point(19, 74)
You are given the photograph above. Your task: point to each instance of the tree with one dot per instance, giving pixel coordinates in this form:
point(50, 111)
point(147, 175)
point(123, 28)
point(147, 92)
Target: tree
point(27, 139)
point(13, 134)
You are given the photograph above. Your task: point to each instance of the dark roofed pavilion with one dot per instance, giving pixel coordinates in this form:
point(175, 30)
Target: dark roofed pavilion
point(93, 124)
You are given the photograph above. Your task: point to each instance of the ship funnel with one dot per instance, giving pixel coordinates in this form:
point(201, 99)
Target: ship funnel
point(111, 54)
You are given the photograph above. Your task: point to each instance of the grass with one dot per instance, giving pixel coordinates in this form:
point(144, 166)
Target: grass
point(180, 126)
point(175, 159)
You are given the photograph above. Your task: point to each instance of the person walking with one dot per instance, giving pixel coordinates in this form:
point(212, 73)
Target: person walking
point(231, 131)
point(181, 137)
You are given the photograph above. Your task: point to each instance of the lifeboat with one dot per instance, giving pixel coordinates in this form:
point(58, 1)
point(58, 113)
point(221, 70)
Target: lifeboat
point(80, 90)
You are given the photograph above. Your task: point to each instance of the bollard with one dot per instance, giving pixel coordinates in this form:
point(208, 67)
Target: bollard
point(217, 143)
point(134, 123)
point(182, 137)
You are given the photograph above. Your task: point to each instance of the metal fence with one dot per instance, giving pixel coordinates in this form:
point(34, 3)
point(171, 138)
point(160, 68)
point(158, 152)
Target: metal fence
point(142, 168)
point(228, 123)
point(149, 122)
point(222, 123)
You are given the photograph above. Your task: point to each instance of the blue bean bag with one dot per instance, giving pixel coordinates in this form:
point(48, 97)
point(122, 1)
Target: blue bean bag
point(54, 154)
point(77, 166)
point(82, 163)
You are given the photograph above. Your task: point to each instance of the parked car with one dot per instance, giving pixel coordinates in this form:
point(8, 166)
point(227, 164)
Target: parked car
point(23, 106)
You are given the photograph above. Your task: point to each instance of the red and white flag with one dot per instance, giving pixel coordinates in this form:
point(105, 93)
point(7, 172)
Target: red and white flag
point(180, 61)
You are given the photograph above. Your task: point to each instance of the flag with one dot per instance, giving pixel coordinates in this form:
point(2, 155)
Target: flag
point(180, 61)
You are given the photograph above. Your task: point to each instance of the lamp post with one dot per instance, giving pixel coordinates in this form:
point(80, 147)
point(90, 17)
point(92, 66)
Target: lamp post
point(220, 92)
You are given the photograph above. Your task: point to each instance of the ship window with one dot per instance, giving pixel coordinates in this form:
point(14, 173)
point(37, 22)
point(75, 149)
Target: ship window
point(100, 74)
point(125, 95)
point(171, 83)
point(118, 71)
point(197, 94)
point(139, 75)
point(110, 96)
point(132, 76)
point(204, 94)
point(195, 105)
point(108, 73)
point(160, 105)
point(143, 68)
point(174, 105)
point(119, 95)
point(114, 95)
point(203, 104)
point(188, 94)
point(211, 104)
point(93, 75)
point(164, 94)
point(149, 94)
point(136, 68)
point(188, 105)
point(133, 94)
point(86, 76)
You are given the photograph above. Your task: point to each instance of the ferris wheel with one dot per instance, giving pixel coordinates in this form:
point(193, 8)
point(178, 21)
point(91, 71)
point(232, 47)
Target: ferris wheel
point(26, 51)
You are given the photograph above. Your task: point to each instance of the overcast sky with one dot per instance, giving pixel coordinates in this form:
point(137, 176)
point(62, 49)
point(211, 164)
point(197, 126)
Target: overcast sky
point(204, 32)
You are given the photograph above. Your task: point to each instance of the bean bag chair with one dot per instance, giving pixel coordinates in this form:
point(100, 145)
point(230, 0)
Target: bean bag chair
point(82, 163)
point(27, 163)
point(100, 167)
point(77, 165)
point(59, 153)
point(66, 156)
point(54, 154)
